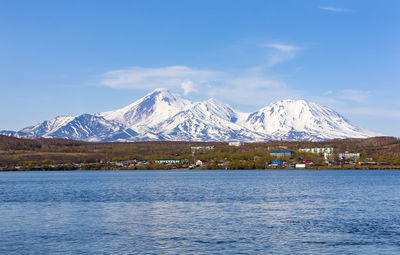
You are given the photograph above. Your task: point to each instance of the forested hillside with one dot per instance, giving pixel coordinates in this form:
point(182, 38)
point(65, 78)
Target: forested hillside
point(29, 152)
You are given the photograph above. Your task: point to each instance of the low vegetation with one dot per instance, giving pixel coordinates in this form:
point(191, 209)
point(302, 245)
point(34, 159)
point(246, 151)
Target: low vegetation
point(59, 154)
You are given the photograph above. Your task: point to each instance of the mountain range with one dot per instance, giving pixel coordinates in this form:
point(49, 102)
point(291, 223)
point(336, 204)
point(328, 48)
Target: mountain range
point(163, 115)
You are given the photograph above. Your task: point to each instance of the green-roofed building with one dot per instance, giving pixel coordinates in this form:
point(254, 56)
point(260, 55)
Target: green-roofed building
point(170, 161)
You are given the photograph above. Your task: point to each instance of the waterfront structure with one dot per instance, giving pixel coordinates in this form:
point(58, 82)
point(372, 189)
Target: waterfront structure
point(169, 161)
point(124, 163)
point(276, 163)
point(301, 165)
point(308, 162)
point(329, 157)
point(201, 162)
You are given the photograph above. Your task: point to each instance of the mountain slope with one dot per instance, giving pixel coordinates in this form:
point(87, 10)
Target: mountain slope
point(85, 127)
point(302, 120)
point(162, 115)
point(206, 121)
point(149, 110)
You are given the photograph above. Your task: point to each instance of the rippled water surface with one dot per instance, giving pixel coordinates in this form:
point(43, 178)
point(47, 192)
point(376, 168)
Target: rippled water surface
point(200, 212)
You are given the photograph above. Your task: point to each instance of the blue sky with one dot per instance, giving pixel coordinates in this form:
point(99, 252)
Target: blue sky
point(73, 57)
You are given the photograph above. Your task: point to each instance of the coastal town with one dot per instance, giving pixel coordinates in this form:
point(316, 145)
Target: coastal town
point(57, 154)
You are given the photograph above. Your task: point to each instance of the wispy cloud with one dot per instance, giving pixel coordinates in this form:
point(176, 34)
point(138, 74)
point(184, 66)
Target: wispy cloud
point(247, 87)
point(260, 97)
point(333, 9)
point(282, 47)
point(376, 112)
point(170, 77)
point(188, 87)
point(281, 52)
point(358, 96)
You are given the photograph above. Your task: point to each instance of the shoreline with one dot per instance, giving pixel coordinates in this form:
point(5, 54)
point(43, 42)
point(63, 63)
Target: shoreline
point(18, 154)
point(199, 169)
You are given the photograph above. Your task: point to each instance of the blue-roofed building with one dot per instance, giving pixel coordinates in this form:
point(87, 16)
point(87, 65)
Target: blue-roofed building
point(282, 154)
point(276, 162)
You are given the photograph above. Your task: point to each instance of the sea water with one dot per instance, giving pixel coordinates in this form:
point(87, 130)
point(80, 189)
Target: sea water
point(200, 212)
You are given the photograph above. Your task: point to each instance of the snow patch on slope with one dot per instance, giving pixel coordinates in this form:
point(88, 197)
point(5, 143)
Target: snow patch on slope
point(302, 120)
point(149, 110)
point(163, 115)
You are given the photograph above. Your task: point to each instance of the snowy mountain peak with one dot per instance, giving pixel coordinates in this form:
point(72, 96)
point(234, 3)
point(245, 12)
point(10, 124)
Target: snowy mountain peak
point(294, 104)
point(214, 101)
point(300, 119)
point(156, 106)
point(218, 109)
point(159, 95)
point(162, 93)
point(86, 127)
point(164, 115)
point(159, 90)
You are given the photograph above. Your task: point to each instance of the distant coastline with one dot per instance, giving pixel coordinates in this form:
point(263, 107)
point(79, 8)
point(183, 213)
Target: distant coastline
point(41, 154)
point(394, 168)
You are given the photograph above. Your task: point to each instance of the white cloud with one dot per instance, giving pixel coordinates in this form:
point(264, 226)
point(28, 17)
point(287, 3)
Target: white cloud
point(333, 9)
point(188, 87)
point(358, 96)
point(282, 47)
point(328, 92)
point(247, 87)
point(281, 52)
point(254, 82)
point(170, 77)
point(253, 98)
point(376, 112)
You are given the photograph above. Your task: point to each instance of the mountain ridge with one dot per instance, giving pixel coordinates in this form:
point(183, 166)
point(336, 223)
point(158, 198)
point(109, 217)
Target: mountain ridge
point(163, 115)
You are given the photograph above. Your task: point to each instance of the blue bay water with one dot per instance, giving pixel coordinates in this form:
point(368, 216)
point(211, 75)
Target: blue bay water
point(200, 212)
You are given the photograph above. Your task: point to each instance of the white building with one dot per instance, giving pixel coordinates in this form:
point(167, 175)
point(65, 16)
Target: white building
point(237, 144)
point(317, 150)
point(329, 157)
point(349, 155)
point(201, 162)
point(196, 149)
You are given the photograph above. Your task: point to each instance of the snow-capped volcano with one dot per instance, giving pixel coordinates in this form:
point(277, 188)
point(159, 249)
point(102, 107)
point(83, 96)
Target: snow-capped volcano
point(156, 106)
point(206, 121)
point(302, 120)
point(85, 127)
point(163, 115)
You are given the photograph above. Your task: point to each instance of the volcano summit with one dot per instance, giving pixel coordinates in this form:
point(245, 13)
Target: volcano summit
point(163, 115)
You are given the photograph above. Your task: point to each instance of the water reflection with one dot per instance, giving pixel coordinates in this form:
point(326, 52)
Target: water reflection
point(174, 212)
